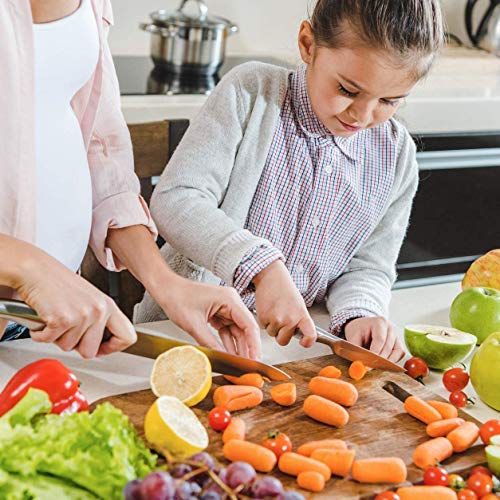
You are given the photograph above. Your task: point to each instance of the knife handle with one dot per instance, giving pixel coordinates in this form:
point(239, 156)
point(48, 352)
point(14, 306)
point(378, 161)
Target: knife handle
point(323, 337)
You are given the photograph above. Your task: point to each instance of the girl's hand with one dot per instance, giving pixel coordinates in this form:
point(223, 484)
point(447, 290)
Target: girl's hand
point(280, 307)
point(378, 334)
point(192, 305)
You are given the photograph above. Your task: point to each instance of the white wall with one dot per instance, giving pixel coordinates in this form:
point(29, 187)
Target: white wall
point(265, 25)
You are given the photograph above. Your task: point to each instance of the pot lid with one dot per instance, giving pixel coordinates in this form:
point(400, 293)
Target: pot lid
point(195, 16)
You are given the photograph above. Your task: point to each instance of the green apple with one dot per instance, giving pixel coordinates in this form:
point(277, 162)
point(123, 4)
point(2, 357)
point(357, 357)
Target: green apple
point(477, 311)
point(493, 455)
point(439, 346)
point(485, 371)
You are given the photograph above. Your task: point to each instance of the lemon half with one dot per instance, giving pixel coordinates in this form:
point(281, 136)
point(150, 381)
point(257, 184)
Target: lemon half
point(170, 424)
point(184, 372)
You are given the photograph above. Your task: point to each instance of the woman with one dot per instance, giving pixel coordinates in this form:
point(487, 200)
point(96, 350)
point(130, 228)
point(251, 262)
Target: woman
point(68, 181)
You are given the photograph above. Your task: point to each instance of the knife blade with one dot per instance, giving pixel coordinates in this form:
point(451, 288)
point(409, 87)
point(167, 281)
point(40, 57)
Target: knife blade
point(151, 345)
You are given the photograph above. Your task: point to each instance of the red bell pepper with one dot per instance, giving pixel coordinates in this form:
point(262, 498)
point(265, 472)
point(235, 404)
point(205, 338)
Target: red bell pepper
point(48, 375)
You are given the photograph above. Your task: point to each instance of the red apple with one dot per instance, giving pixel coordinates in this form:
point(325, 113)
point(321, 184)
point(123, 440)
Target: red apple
point(484, 272)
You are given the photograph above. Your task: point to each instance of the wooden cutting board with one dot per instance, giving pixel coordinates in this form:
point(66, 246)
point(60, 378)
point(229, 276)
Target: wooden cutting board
point(378, 425)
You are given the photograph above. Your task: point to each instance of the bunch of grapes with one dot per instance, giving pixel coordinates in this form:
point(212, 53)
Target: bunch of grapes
point(200, 477)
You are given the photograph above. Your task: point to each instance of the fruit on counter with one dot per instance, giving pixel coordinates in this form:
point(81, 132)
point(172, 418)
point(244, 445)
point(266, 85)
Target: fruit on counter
point(485, 371)
point(379, 470)
point(426, 492)
point(311, 481)
point(169, 424)
point(338, 461)
point(183, 372)
point(493, 455)
point(325, 411)
point(293, 464)
point(436, 476)
point(421, 410)
point(480, 484)
point(416, 368)
point(432, 452)
point(48, 375)
point(463, 437)
point(441, 428)
point(480, 469)
point(484, 271)
point(235, 430)
point(239, 473)
point(219, 419)
point(477, 311)
point(284, 394)
point(456, 482)
point(257, 456)
point(278, 442)
point(439, 346)
point(254, 379)
point(489, 429)
point(237, 397)
point(455, 379)
point(459, 399)
point(324, 444)
point(338, 391)
point(79, 456)
point(357, 370)
point(446, 410)
point(330, 371)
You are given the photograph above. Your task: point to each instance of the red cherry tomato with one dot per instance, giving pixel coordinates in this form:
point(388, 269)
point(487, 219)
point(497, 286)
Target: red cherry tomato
point(277, 442)
point(480, 469)
point(436, 476)
point(387, 495)
point(456, 482)
point(219, 419)
point(416, 368)
point(489, 429)
point(481, 484)
point(458, 399)
point(466, 495)
point(455, 379)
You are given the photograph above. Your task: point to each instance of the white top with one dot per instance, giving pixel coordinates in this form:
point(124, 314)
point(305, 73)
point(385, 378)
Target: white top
point(66, 55)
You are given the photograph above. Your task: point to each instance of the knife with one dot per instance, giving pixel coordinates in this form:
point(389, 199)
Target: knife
point(151, 345)
point(353, 352)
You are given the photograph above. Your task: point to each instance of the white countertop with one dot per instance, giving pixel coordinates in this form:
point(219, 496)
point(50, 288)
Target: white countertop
point(120, 373)
point(461, 94)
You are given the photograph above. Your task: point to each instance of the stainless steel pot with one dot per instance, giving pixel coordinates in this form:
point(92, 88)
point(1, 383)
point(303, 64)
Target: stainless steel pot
point(188, 43)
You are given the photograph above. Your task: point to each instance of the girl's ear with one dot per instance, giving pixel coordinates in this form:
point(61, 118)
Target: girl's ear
point(306, 42)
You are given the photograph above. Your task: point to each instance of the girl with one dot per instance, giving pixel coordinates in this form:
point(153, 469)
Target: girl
point(68, 177)
point(296, 187)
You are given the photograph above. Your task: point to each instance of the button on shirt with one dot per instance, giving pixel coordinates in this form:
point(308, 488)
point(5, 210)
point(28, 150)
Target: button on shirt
point(319, 197)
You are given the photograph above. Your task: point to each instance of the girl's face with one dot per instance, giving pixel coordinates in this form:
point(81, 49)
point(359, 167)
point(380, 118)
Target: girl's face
point(352, 89)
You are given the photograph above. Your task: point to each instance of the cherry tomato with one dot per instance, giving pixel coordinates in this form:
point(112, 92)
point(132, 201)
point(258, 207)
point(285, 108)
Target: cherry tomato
point(277, 442)
point(387, 495)
point(489, 429)
point(481, 484)
point(480, 469)
point(466, 495)
point(455, 379)
point(456, 482)
point(416, 368)
point(219, 419)
point(458, 399)
point(436, 476)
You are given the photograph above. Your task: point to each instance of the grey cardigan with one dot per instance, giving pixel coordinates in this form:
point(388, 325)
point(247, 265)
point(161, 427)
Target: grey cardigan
point(202, 200)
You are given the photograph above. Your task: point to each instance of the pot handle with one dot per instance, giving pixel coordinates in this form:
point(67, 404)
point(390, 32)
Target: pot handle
point(202, 8)
point(169, 32)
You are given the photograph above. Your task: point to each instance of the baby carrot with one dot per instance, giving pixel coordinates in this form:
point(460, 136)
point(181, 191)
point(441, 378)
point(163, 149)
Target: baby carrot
point(338, 391)
point(237, 397)
point(358, 370)
point(421, 410)
point(284, 394)
point(432, 452)
point(311, 480)
point(338, 461)
point(446, 410)
point(257, 456)
point(379, 470)
point(463, 437)
point(325, 444)
point(427, 492)
point(326, 411)
point(441, 428)
point(253, 379)
point(293, 464)
point(330, 371)
point(235, 430)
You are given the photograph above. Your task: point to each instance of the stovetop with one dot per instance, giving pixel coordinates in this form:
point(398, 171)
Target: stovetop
point(137, 75)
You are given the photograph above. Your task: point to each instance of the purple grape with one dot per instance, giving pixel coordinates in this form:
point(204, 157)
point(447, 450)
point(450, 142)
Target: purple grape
point(158, 485)
point(203, 458)
point(239, 473)
point(267, 487)
point(223, 475)
point(291, 495)
point(213, 488)
point(187, 490)
point(181, 470)
point(132, 490)
point(210, 495)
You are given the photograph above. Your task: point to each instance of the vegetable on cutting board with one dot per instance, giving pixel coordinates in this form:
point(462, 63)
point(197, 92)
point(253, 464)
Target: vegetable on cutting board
point(426, 493)
point(357, 370)
point(284, 394)
point(339, 461)
point(446, 410)
point(330, 371)
point(432, 452)
point(338, 391)
point(463, 437)
point(260, 458)
point(311, 480)
point(253, 379)
point(293, 464)
point(237, 397)
point(441, 428)
point(235, 430)
point(325, 411)
point(325, 444)
point(421, 410)
point(379, 470)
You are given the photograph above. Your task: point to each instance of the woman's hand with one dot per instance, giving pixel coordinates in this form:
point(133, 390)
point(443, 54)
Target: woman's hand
point(192, 306)
point(378, 334)
point(280, 307)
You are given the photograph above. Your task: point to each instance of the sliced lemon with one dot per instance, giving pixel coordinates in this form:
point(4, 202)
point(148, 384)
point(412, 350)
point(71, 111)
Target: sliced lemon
point(171, 425)
point(184, 372)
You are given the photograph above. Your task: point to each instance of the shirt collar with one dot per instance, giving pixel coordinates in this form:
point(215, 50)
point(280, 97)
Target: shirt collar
point(310, 124)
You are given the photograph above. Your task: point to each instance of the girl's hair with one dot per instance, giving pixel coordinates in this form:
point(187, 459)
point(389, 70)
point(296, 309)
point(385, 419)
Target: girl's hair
point(412, 29)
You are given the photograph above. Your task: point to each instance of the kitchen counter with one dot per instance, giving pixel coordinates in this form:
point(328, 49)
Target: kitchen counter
point(461, 94)
point(120, 373)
